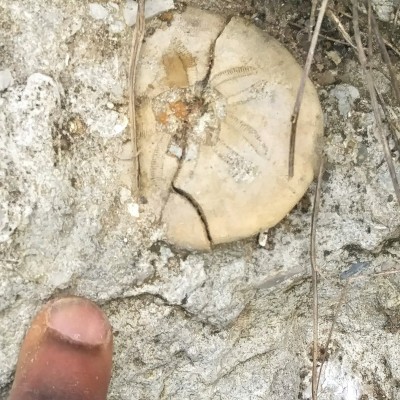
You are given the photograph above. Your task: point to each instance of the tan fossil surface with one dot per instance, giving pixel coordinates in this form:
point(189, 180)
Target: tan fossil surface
point(214, 105)
point(215, 99)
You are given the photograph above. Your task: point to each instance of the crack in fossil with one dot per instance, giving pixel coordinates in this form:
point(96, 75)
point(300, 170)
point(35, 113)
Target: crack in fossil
point(197, 208)
point(202, 85)
point(204, 82)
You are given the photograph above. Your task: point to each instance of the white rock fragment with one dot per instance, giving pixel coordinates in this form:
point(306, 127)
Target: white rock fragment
point(5, 229)
point(263, 238)
point(334, 56)
point(116, 27)
point(120, 126)
point(125, 195)
point(133, 209)
point(130, 11)
point(153, 7)
point(345, 95)
point(108, 118)
point(97, 11)
point(114, 6)
point(6, 79)
point(175, 150)
point(384, 8)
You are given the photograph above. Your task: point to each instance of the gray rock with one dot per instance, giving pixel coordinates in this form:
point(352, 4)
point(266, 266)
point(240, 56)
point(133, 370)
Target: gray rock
point(385, 9)
point(345, 95)
point(97, 11)
point(235, 323)
point(6, 79)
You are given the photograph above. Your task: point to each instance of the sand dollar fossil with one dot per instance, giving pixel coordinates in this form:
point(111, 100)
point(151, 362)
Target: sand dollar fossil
point(214, 103)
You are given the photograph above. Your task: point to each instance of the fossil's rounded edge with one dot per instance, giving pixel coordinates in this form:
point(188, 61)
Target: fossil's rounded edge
point(184, 226)
point(172, 57)
point(259, 82)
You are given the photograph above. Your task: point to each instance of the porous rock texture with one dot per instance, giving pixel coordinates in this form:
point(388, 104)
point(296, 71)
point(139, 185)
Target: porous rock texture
point(234, 323)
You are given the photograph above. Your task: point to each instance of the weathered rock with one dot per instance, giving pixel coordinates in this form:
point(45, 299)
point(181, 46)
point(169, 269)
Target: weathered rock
point(214, 108)
point(204, 326)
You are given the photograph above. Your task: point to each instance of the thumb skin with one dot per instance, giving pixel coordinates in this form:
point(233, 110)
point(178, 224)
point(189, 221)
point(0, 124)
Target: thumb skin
point(66, 353)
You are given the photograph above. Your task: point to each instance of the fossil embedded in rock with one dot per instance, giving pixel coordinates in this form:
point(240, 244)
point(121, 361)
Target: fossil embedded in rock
point(214, 104)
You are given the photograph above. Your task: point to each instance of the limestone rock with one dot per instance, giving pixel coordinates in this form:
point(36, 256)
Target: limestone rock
point(214, 108)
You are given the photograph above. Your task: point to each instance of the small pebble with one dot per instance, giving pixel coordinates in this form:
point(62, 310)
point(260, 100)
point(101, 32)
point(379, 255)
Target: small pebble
point(153, 7)
point(345, 95)
point(116, 27)
point(125, 195)
point(263, 238)
point(97, 11)
point(354, 269)
point(133, 209)
point(6, 79)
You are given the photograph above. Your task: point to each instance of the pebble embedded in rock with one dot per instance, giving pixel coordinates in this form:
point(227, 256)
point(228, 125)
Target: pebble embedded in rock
point(6, 79)
point(97, 11)
point(152, 7)
point(224, 94)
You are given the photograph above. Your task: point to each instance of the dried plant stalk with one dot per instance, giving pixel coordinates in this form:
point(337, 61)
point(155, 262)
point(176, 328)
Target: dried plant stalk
point(332, 16)
point(386, 58)
point(137, 41)
point(300, 92)
point(374, 102)
point(314, 271)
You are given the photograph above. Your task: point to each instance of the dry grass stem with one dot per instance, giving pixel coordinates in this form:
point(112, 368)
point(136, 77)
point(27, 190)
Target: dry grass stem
point(386, 58)
point(396, 16)
point(314, 267)
point(392, 47)
point(331, 39)
point(391, 119)
point(374, 275)
point(300, 92)
point(335, 317)
point(335, 19)
point(312, 18)
point(137, 41)
point(374, 102)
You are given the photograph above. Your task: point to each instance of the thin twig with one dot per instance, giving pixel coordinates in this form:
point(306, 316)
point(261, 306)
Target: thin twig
point(330, 38)
point(386, 58)
point(300, 92)
point(137, 41)
point(369, 14)
point(391, 118)
point(374, 101)
point(384, 273)
point(374, 275)
point(313, 255)
point(334, 321)
point(332, 16)
point(396, 17)
point(392, 47)
point(312, 18)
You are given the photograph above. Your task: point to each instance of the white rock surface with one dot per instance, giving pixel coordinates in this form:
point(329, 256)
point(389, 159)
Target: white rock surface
point(345, 95)
point(152, 7)
point(6, 79)
point(231, 324)
point(97, 11)
point(385, 9)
